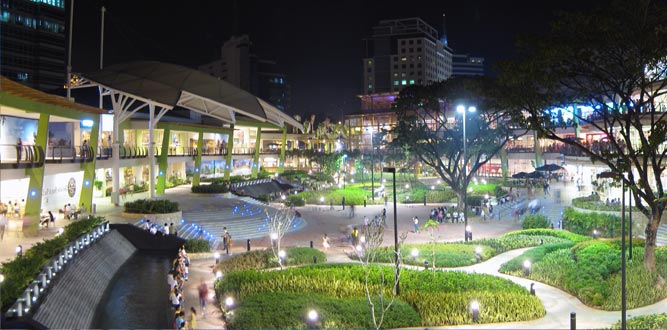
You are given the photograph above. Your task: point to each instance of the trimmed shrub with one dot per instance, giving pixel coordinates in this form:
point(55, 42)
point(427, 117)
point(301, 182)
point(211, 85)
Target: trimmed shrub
point(148, 206)
point(531, 221)
point(439, 298)
point(287, 310)
point(533, 255)
point(607, 225)
point(213, 188)
point(498, 191)
point(197, 245)
point(446, 254)
point(645, 322)
point(593, 202)
point(20, 272)
point(261, 259)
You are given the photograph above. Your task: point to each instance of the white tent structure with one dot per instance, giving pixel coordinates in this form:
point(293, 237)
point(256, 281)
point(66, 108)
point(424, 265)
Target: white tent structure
point(161, 87)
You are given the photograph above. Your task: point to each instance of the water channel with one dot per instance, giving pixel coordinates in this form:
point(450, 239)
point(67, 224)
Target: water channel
point(137, 297)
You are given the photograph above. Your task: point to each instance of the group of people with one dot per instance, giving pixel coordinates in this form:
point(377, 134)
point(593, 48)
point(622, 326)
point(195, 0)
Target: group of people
point(155, 229)
point(71, 212)
point(8, 209)
point(175, 279)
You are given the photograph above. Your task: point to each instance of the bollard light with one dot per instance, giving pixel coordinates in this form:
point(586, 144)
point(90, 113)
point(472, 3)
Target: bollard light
point(468, 233)
point(526, 267)
point(595, 233)
point(362, 239)
point(19, 250)
point(2, 278)
point(478, 253)
point(217, 257)
point(60, 231)
point(218, 275)
point(229, 302)
point(426, 264)
point(532, 289)
point(474, 308)
point(414, 252)
point(359, 248)
point(312, 315)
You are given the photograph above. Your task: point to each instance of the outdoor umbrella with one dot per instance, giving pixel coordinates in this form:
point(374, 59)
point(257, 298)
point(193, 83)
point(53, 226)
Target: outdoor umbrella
point(534, 175)
point(549, 168)
point(520, 175)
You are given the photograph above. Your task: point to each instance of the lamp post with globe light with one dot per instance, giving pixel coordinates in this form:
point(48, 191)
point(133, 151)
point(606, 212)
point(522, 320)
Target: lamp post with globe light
point(462, 109)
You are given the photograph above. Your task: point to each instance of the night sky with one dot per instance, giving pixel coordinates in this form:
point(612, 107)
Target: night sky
point(317, 43)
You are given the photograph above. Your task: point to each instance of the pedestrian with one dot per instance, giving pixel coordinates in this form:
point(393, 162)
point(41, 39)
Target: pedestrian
point(19, 150)
point(416, 221)
point(331, 208)
point(325, 242)
point(203, 296)
point(192, 321)
point(342, 202)
point(355, 236)
point(351, 210)
point(226, 240)
point(180, 321)
point(385, 200)
point(3, 224)
point(165, 229)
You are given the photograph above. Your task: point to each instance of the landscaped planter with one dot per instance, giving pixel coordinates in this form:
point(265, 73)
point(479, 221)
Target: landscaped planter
point(174, 217)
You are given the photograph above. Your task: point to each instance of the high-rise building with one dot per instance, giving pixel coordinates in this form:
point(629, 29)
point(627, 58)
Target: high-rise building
point(465, 65)
point(404, 52)
point(32, 42)
point(244, 69)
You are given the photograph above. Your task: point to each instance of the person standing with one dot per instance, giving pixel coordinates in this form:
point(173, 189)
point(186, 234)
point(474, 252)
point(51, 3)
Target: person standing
point(325, 242)
point(192, 320)
point(355, 236)
point(342, 202)
point(226, 240)
point(416, 221)
point(19, 150)
point(3, 224)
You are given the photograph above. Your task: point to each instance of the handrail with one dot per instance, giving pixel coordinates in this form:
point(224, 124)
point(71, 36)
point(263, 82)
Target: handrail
point(21, 156)
point(33, 294)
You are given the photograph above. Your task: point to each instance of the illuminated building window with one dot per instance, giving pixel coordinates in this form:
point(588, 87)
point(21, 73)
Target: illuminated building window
point(404, 58)
point(404, 82)
point(412, 81)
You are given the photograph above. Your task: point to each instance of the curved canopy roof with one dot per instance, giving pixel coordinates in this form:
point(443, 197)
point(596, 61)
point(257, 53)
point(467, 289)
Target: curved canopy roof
point(169, 85)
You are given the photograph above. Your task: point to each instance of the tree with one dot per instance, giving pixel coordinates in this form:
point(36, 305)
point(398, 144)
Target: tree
point(429, 128)
point(381, 300)
point(279, 223)
point(610, 65)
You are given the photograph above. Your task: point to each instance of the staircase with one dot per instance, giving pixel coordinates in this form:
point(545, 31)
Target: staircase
point(244, 218)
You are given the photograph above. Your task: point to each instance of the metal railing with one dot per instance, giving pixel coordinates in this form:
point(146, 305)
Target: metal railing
point(37, 288)
point(19, 156)
point(74, 154)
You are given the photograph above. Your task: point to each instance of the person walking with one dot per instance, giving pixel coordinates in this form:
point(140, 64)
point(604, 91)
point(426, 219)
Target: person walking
point(19, 150)
point(226, 240)
point(202, 289)
point(355, 236)
point(416, 221)
point(3, 224)
point(342, 202)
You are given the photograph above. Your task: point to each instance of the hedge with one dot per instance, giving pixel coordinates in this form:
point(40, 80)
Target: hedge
point(288, 310)
point(21, 271)
point(531, 221)
point(149, 206)
point(197, 245)
point(446, 254)
point(439, 298)
point(261, 259)
point(645, 322)
point(593, 202)
point(607, 225)
point(213, 188)
point(590, 270)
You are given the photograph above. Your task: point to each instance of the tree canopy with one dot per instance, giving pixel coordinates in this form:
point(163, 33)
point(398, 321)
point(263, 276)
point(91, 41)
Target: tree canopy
point(602, 71)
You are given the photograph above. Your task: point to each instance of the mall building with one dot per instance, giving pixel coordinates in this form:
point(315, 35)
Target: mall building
point(158, 124)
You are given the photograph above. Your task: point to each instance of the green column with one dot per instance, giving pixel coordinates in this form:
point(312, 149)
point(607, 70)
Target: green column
point(228, 157)
point(33, 203)
point(255, 158)
point(86, 198)
point(538, 151)
point(281, 164)
point(162, 162)
point(197, 174)
point(503, 163)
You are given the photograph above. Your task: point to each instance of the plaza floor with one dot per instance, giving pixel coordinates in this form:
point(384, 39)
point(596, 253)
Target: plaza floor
point(320, 220)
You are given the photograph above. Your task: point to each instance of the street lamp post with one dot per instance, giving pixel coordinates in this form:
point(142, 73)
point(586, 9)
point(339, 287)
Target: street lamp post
point(462, 109)
point(623, 273)
point(370, 130)
point(392, 170)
